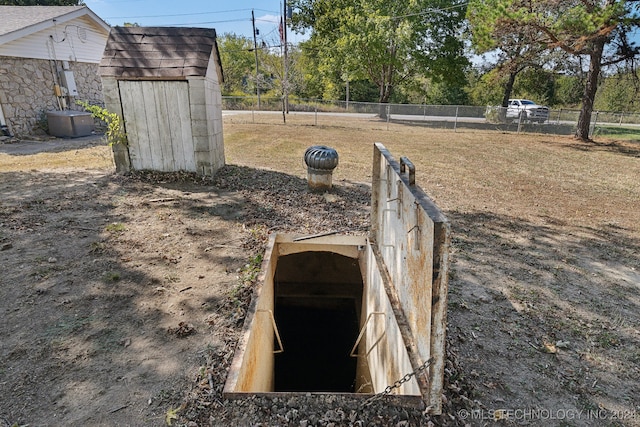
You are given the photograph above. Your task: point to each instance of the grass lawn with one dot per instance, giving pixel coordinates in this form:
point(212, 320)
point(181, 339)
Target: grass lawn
point(543, 308)
point(523, 175)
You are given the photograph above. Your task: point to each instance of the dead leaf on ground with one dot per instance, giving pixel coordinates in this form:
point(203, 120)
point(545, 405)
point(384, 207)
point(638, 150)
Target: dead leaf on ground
point(210, 319)
point(549, 348)
point(183, 329)
point(172, 414)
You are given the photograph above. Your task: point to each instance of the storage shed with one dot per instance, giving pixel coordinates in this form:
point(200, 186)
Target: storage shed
point(164, 83)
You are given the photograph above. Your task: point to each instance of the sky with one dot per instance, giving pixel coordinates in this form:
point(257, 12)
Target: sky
point(224, 16)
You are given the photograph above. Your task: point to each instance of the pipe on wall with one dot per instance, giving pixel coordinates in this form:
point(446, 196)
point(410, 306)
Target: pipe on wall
point(4, 129)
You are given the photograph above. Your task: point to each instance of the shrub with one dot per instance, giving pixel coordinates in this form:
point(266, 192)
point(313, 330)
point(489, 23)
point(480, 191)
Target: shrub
point(115, 132)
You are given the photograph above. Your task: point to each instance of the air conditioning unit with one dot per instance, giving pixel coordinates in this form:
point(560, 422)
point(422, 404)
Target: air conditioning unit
point(69, 124)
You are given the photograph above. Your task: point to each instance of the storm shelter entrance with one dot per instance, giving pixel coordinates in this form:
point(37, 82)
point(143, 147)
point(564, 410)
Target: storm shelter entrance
point(318, 297)
point(351, 315)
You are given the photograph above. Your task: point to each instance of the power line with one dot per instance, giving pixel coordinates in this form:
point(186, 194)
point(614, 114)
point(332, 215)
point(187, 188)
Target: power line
point(186, 14)
point(267, 20)
point(201, 22)
point(175, 14)
point(431, 10)
point(205, 22)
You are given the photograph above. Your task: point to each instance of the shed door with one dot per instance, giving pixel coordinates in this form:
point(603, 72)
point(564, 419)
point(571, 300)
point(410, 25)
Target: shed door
point(158, 124)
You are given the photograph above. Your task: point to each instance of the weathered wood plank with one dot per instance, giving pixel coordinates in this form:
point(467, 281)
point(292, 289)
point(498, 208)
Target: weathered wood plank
point(175, 127)
point(131, 94)
point(183, 117)
point(163, 120)
point(152, 132)
point(158, 119)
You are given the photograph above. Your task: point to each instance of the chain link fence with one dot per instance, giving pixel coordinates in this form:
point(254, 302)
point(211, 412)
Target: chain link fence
point(454, 117)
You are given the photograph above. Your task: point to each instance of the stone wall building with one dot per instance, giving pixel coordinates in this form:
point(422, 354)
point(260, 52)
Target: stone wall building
point(49, 58)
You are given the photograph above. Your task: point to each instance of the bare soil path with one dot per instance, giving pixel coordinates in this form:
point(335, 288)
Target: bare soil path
point(121, 298)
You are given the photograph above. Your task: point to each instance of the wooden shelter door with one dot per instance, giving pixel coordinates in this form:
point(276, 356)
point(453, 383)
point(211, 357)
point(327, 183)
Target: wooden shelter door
point(157, 120)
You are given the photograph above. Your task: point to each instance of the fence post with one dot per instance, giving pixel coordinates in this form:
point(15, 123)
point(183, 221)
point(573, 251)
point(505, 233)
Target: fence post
point(595, 122)
point(520, 120)
point(388, 114)
point(316, 114)
point(455, 123)
point(621, 116)
point(284, 116)
point(559, 113)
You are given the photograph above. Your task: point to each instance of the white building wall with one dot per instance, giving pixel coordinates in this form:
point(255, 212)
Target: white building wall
point(78, 40)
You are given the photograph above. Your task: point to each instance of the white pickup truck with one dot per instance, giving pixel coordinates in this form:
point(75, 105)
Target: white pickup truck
point(527, 110)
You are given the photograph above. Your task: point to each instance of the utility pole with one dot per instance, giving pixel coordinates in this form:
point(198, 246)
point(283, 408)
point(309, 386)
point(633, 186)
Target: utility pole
point(286, 61)
point(255, 51)
point(347, 94)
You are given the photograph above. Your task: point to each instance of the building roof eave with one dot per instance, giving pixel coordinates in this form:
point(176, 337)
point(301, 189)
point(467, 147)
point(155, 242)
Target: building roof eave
point(49, 23)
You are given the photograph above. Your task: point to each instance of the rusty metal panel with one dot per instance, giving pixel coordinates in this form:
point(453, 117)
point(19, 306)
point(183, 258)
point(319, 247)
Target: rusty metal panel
point(253, 363)
point(411, 236)
point(349, 246)
point(383, 347)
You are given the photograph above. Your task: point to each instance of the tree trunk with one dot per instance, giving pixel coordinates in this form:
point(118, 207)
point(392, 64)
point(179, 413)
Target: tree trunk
point(590, 89)
point(386, 85)
point(385, 96)
point(508, 88)
point(382, 110)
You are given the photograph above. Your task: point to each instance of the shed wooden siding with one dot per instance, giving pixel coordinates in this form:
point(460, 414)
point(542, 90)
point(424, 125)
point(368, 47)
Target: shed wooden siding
point(157, 114)
point(206, 113)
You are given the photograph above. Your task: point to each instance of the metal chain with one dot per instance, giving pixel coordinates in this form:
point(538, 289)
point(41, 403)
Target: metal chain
point(397, 384)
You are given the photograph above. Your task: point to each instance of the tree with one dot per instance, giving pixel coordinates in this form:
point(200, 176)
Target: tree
point(515, 53)
point(595, 29)
point(386, 42)
point(567, 90)
point(537, 84)
point(485, 87)
point(236, 55)
point(619, 92)
point(272, 64)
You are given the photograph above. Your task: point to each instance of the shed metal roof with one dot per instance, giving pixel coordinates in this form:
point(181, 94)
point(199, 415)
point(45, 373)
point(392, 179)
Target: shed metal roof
point(158, 52)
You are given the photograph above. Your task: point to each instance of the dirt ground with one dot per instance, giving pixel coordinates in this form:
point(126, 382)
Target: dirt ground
point(122, 298)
